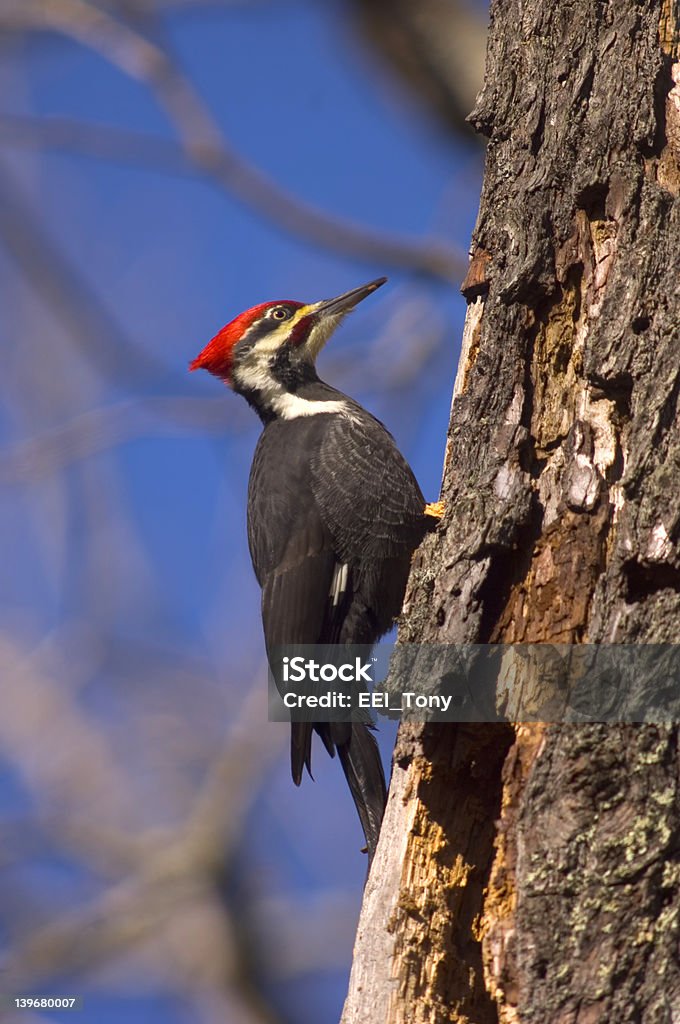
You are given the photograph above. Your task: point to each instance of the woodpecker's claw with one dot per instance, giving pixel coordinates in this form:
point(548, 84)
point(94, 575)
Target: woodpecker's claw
point(435, 509)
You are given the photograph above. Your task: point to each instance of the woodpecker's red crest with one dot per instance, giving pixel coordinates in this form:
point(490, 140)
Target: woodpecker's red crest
point(217, 356)
point(254, 337)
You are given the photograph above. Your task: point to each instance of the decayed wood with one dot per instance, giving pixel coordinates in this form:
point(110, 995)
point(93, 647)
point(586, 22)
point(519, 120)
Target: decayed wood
point(550, 855)
point(423, 897)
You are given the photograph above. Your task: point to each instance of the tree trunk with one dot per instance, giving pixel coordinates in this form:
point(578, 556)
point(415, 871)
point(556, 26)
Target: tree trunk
point(533, 873)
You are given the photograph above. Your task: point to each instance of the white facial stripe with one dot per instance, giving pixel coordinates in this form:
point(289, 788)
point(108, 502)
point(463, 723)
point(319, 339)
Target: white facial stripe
point(319, 334)
point(254, 374)
point(274, 339)
point(253, 370)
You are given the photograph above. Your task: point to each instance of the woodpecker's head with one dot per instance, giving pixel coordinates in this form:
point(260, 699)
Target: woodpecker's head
point(273, 347)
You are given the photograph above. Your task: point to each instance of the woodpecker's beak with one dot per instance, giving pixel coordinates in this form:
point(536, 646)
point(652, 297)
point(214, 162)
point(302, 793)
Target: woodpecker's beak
point(327, 314)
point(342, 304)
point(323, 317)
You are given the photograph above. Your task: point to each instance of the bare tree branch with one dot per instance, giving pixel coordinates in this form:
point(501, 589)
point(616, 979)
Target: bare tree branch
point(168, 874)
point(203, 146)
point(100, 429)
point(89, 325)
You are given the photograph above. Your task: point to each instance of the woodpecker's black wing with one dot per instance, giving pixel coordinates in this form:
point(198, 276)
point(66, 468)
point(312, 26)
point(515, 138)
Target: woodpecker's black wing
point(293, 558)
point(370, 502)
point(290, 545)
point(297, 609)
point(373, 508)
point(334, 514)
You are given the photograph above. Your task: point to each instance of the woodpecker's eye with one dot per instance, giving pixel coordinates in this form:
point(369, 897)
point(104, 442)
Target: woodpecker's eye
point(280, 313)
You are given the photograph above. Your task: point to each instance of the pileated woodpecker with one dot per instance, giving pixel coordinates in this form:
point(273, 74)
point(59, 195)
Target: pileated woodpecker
point(334, 510)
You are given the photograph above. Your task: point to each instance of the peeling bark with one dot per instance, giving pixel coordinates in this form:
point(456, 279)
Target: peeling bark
point(533, 874)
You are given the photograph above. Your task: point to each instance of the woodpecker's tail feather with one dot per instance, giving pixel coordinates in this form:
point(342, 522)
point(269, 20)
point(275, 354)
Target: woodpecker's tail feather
point(360, 759)
point(300, 750)
point(361, 763)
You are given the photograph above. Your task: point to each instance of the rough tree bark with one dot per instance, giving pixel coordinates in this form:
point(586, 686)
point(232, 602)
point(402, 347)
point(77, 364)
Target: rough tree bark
point(533, 874)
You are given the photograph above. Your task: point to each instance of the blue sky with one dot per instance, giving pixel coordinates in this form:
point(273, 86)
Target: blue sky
point(169, 259)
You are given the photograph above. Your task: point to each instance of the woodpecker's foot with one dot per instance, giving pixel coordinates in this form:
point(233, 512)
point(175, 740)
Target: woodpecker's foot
point(435, 509)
